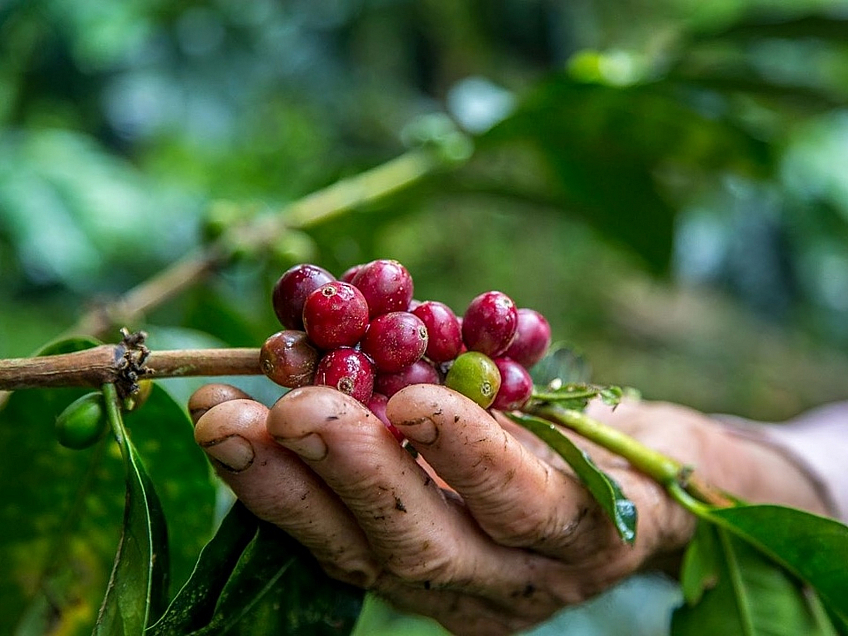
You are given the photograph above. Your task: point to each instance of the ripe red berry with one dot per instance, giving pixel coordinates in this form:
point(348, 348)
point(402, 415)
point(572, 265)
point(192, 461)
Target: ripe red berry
point(348, 370)
point(377, 404)
point(289, 359)
point(516, 385)
point(292, 288)
point(350, 272)
point(532, 338)
point(420, 372)
point(489, 323)
point(395, 340)
point(386, 285)
point(443, 329)
point(335, 315)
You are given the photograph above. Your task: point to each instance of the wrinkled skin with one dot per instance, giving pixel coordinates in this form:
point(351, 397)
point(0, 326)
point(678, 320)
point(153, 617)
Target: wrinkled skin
point(488, 531)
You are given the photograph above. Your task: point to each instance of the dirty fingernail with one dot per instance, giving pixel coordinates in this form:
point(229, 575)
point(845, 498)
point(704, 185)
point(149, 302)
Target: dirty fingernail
point(234, 452)
point(422, 430)
point(311, 446)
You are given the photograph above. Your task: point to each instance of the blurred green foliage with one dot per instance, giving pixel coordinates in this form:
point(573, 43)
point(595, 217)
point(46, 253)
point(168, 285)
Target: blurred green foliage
point(697, 153)
point(666, 181)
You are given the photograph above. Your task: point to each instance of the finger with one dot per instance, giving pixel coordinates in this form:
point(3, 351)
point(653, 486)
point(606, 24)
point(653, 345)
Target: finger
point(516, 498)
point(277, 487)
point(420, 536)
point(210, 395)
point(462, 613)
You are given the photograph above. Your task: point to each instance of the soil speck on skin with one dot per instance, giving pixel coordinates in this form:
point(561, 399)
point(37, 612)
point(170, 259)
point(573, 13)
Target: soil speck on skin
point(331, 418)
point(399, 505)
point(304, 496)
point(455, 419)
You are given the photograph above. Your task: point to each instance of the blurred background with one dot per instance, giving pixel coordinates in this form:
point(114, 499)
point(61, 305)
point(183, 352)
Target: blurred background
point(667, 181)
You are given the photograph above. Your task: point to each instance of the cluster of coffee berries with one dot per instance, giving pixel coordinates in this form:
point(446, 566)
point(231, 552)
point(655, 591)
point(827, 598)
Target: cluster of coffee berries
point(365, 335)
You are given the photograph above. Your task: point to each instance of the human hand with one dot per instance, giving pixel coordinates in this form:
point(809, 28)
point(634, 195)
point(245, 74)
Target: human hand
point(488, 531)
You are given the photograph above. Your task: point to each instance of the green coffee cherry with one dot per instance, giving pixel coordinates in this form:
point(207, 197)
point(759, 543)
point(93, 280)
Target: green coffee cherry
point(83, 422)
point(476, 376)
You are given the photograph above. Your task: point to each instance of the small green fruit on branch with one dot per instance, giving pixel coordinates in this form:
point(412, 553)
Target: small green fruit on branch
point(124, 364)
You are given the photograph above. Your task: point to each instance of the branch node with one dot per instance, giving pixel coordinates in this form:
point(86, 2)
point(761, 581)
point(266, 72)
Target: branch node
point(130, 365)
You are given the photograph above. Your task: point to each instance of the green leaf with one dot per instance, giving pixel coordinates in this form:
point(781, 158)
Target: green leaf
point(699, 571)
point(254, 579)
point(563, 364)
point(194, 605)
point(60, 522)
point(137, 591)
point(278, 588)
point(611, 395)
point(748, 594)
point(604, 489)
point(163, 435)
point(601, 148)
point(813, 548)
point(791, 27)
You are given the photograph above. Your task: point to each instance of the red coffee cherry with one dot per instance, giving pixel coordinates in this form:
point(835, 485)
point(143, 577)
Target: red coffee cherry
point(377, 404)
point(386, 285)
point(289, 358)
point(443, 330)
point(292, 288)
point(532, 338)
point(489, 323)
point(395, 340)
point(420, 372)
point(335, 315)
point(516, 385)
point(348, 370)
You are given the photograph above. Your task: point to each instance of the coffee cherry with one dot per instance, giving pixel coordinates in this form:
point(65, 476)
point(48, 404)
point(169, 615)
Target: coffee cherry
point(476, 376)
point(136, 400)
point(291, 290)
point(516, 385)
point(532, 338)
point(377, 404)
point(395, 340)
point(443, 329)
point(83, 422)
point(348, 370)
point(350, 272)
point(289, 358)
point(489, 323)
point(420, 372)
point(335, 315)
point(386, 285)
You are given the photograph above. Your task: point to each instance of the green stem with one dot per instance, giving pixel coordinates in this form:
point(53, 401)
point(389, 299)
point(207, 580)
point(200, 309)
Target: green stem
point(674, 476)
point(354, 192)
point(261, 234)
point(565, 395)
point(113, 411)
point(654, 464)
point(687, 501)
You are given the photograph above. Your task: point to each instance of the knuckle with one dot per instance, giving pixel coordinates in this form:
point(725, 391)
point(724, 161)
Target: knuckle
point(355, 571)
point(553, 525)
point(426, 567)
